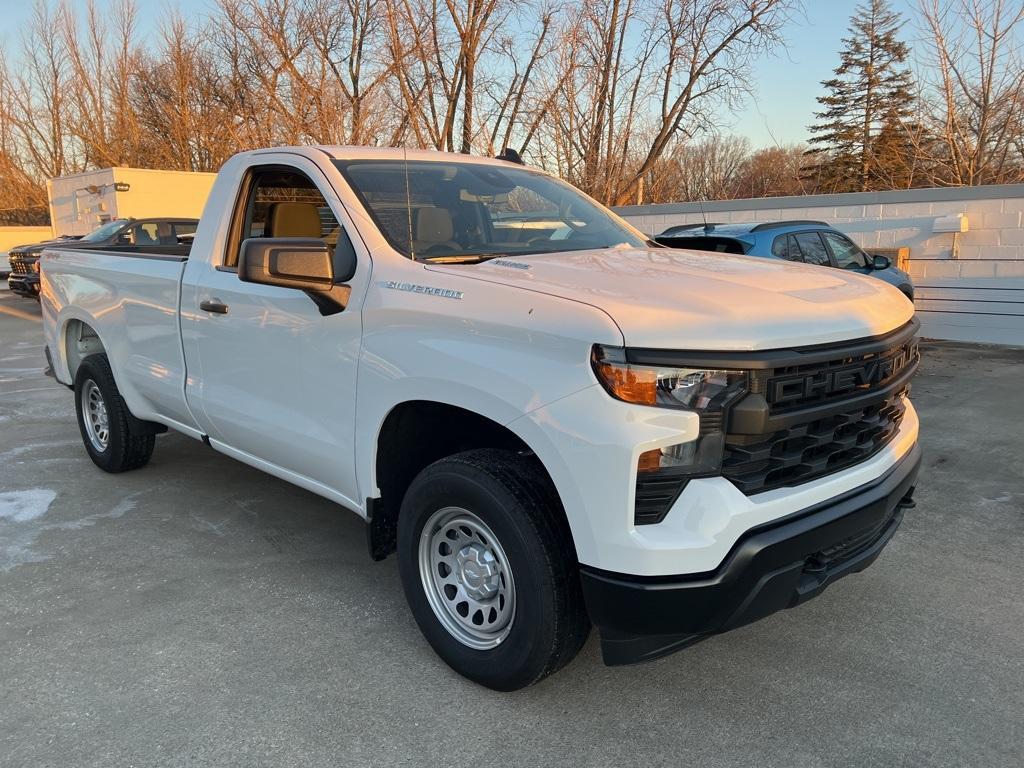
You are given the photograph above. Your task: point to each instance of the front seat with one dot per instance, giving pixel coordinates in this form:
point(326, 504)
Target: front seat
point(292, 220)
point(434, 228)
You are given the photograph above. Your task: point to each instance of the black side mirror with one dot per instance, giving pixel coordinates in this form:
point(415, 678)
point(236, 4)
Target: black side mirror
point(880, 262)
point(289, 262)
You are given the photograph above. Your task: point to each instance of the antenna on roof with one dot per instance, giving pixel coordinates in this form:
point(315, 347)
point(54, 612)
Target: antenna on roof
point(408, 202)
point(704, 216)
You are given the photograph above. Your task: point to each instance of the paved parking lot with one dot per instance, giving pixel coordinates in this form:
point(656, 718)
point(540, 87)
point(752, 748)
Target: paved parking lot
point(199, 612)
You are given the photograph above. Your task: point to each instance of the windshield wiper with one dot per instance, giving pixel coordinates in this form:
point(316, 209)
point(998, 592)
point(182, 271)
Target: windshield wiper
point(461, 258)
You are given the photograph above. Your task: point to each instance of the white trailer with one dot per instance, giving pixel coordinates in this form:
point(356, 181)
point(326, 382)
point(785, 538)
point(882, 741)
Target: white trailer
point(83, 201)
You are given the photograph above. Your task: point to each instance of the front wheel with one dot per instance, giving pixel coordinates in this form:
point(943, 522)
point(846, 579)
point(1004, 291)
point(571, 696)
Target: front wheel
point(103, 420)
point(489, 570)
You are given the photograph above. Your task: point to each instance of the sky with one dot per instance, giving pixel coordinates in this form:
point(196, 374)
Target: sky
point(786, 82)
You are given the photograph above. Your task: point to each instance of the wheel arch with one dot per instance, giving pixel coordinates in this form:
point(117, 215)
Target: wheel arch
point(78, 339)
point(415, 434)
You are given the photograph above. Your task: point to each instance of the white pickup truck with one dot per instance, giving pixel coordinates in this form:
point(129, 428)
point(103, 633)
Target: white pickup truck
point(552, 421)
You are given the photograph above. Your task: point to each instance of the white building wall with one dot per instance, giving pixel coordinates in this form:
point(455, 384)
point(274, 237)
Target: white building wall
point(970, 288)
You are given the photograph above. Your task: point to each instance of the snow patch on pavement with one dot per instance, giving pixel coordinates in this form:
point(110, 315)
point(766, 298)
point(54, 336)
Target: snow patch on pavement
point(22, 506)
point(19, 529)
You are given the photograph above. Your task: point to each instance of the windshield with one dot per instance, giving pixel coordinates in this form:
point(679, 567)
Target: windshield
point(452, 211)
point(105, 231)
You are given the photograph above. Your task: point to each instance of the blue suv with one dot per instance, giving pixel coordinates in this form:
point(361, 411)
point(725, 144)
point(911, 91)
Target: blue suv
point(812, 242)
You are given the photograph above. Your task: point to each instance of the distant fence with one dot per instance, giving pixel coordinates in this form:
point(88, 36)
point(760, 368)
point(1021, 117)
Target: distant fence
point(970, 286)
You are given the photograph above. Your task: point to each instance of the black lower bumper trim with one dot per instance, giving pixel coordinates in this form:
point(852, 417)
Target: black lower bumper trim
point(22, 285)
point(772, 567)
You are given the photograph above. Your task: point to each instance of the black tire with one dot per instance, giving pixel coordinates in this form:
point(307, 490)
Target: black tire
point(512, 495)
point(124, 449)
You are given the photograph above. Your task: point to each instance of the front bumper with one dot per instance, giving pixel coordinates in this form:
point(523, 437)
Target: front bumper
point(24, 285)
point(774, 566)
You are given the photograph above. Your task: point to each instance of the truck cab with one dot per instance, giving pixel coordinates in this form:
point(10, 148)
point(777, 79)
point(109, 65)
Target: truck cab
point(552, 422)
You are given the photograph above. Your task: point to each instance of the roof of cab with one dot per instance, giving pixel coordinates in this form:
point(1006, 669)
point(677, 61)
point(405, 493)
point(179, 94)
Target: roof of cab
point(338, 152)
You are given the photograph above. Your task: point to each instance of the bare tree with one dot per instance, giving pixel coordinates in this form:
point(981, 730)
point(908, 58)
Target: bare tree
point(22, 197)
point(975, 76)
point(620, 97)
point(704, 57)
point(706, 169)
point(185, 106)
point(436, 52)
point(649, 74)
point(519, 108)
point(38, 102)
point(348, 37)
point(772, 172)
point(101, 61)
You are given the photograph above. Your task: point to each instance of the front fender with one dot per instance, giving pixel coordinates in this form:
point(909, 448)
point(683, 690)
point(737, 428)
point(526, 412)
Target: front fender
point(495, 351)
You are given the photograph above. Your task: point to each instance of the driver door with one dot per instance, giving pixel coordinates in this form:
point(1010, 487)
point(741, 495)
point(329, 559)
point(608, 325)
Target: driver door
point(271, 379)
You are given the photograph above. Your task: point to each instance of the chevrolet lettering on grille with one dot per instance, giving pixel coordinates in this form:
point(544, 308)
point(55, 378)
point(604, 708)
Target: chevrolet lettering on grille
point(834, 381)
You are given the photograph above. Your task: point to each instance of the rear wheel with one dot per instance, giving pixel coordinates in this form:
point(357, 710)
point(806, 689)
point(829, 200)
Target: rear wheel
point(489, 570)
point(103, 420)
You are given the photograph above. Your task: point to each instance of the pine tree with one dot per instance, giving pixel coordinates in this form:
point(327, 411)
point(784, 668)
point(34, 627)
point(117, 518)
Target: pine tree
point(872, 90)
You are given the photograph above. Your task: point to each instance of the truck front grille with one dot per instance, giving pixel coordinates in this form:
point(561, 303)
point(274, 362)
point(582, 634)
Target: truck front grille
point(801, 422)
point(813, 449)
point(19, 266)
point(806, 412)
point(795, 387)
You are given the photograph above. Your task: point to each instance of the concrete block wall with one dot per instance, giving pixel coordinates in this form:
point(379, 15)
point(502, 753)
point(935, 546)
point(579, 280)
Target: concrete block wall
point(964, 271)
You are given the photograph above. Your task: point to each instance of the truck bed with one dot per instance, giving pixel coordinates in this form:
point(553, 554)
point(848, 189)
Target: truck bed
point(134, 297)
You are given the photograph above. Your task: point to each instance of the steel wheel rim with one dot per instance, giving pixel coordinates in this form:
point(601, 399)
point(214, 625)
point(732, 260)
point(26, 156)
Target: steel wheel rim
point(95, 416)
point(466, 578)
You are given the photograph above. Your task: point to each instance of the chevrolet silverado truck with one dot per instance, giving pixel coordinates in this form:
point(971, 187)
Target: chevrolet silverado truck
point(553, 422)
point(166, 236)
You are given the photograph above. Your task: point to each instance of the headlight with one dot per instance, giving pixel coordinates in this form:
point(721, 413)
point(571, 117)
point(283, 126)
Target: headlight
point(663, 473)
point(35, 266)
point(703, 390)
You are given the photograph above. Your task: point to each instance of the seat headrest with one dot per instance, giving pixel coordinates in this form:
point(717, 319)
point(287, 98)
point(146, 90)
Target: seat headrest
point(434, 225)
point(292, 220)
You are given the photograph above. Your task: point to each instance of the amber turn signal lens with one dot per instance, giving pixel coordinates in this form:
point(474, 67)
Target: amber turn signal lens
point(634, 385)
point(650, 461)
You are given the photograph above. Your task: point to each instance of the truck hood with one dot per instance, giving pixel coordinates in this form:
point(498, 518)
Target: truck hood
point(695, 300)
point(34, 249)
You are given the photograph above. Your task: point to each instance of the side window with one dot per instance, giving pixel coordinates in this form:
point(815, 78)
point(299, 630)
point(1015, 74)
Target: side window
point(283, 202)
point(183, 229)
point(812, 249)
point(847, 255)
point(781, 248)
point(140, 234)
